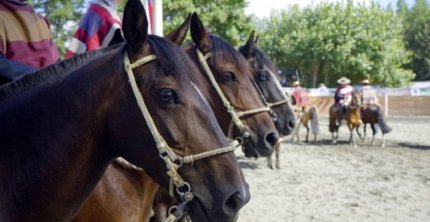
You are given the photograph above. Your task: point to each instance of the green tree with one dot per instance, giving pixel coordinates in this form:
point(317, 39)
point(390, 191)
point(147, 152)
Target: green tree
point(417, 37)
point(63, 16)
point(329, 40)
point(224, 17)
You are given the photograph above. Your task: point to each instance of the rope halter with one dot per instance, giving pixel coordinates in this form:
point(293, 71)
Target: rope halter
point(235, 115)
point(263, 98)
point(173, 162)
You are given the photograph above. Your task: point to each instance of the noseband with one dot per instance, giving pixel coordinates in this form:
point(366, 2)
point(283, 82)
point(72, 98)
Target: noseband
point(173, 162)
point(235, 115)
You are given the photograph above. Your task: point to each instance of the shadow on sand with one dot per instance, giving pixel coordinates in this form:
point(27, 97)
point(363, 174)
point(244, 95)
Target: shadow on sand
point(247, 163)
point(415, 146)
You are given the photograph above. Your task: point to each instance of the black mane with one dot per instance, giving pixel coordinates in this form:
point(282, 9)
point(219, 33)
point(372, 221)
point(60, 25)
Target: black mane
point(50, 73)
point(261, 57)
point(171, 60)
point(219, 45)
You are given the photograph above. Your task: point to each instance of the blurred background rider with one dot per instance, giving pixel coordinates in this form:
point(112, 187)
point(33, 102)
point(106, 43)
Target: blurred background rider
point(26, 41)
point(100, 27)
point(343, 96)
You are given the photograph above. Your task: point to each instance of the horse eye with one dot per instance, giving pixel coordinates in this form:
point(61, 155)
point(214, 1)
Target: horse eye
point(229, 77)
point(168, 96)
point(263, 77)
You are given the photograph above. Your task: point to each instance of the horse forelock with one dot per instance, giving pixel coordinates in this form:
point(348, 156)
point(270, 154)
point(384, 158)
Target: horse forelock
point(223, 52)
point(172, 61)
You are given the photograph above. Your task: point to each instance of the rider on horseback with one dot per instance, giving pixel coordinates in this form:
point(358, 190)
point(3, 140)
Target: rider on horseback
point(299, 98)
point(368, 94)
point(370, 101)
point(343, 96)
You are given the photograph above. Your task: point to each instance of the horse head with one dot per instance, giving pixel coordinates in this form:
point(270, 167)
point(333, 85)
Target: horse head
point(238, 107)
point(355, 100)
point(183, 128)
point(267, 83)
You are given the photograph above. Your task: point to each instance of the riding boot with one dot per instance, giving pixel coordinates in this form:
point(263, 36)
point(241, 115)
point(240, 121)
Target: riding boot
point(341, 114)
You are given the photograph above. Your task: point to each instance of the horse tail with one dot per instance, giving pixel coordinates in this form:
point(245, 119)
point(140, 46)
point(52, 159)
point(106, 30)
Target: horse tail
point(315, 126)
point(332, 120)
point(382, 123)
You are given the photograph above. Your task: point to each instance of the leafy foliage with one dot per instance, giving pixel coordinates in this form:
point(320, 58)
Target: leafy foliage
point(224, 17)
point(417, 37)
point(331, 40)
point(63, 16)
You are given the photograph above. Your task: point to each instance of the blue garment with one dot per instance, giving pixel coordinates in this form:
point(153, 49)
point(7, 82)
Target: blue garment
point(11, 71)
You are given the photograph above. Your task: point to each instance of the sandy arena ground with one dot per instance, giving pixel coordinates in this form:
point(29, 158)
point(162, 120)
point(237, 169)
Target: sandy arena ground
point(325, 182)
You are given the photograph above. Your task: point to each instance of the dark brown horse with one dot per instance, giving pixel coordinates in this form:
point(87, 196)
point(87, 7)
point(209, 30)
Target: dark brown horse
point(230, 70)
point(371, 114)
point(257, 124)
point(352, 117)
point(59, 133)
point(225, 68)
point(267, 84)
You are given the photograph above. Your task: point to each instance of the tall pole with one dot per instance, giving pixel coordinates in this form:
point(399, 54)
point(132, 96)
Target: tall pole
point(157, 22)
point(148, 16)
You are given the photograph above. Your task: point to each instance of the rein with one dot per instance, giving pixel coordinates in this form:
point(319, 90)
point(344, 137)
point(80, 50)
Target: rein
point(173, 162)
point(235, 115)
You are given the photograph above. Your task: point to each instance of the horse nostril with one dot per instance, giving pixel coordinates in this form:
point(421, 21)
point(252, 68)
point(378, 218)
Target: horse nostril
point(234, 203)
point(292, 123)
point(272, 138)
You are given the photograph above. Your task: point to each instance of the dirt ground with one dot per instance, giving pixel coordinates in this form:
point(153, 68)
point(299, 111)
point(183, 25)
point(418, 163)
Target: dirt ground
point(325, 182)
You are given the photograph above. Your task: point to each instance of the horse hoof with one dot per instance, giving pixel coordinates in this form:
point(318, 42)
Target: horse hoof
point(333, 142)
point(270, 166)
point(278, 167)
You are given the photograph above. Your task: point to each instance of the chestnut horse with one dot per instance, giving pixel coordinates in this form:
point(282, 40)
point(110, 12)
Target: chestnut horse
point(63, 125)
point(352, 117)
point(267, 84)
point(371, 114)
point(262, 136)
point(309, 114)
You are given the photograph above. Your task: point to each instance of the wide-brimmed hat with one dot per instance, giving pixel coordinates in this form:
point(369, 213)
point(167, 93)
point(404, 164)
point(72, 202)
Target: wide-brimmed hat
point(365, 81)
point(343, 80)
point(295, 83)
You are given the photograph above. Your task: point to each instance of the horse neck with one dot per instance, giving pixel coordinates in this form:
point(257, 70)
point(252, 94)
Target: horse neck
point(54, 145)
point(210, 94)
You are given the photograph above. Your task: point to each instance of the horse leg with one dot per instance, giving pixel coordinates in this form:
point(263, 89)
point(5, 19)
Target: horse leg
point(298, 131)
point(269, 162)
point(357, 129)
point(295, 132)
point(277, 152)
point(372, 125)
point(383, 140)
point(364, 132)
point(307, 133)
point(315, 138)
point(351, 135)
point(333, 138)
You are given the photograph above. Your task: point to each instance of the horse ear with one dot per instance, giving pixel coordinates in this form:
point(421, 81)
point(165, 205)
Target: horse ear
point(248, 48)
point(199, 34)
point(135, 25)
point(256, 39)
point(178, 35)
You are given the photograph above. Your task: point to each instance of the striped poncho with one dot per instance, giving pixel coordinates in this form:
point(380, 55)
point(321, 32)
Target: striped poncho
point(25, 36)
point(96, 29)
